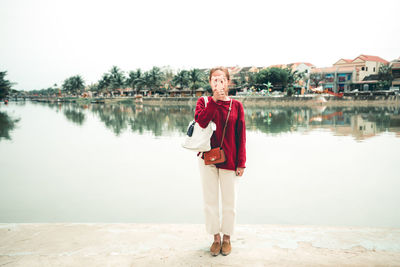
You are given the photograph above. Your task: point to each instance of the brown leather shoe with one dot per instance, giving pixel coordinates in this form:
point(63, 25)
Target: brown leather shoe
point(226, 247)
point(215, 248)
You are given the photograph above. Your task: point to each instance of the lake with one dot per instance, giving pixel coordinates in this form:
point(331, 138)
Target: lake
point(124, 163)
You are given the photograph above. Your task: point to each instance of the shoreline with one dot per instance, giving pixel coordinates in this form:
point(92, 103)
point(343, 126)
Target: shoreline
point(284, 101)
point(308, 100)
point(131, 244)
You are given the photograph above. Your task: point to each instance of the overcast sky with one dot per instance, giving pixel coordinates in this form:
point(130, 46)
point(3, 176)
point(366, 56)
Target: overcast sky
point(45, 41)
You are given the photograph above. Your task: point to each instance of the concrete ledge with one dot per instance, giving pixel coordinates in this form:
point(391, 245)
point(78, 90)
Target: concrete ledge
point(311, 100)
point(126, 244)
point(350, 99)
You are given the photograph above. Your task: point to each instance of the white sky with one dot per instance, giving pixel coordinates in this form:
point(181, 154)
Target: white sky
point(45, 41)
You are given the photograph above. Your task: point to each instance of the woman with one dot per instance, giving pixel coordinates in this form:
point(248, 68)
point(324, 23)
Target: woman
point(226, 174)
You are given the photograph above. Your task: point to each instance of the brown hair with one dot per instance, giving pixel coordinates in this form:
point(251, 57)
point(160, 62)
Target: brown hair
point(223, 69)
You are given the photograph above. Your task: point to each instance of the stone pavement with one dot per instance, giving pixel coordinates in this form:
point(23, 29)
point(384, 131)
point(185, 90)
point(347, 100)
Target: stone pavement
point(129, 244)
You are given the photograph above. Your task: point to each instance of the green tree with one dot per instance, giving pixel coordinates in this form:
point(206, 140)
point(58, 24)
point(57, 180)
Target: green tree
point(196, 77)
point(276, 76)
point(252, 79)
point(316, 78)
point(181, 79)
point(103, 84)
point(240, 81)
point(147, 83)
point(5, 85)
point(293, 78)
point(50, 91)
point(385, 77)
point(116, 78)
point(155, 78)
point(135, 80)
point(74, 85)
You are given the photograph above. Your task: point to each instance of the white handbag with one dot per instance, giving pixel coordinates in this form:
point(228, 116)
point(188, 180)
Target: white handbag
point(198, 138)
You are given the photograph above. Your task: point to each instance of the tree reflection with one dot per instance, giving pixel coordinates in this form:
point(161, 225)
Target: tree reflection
point(74, 114)
point(360, 122)
point(115, 117)
point(158, 121)
point(7, 124)
point(273, 120)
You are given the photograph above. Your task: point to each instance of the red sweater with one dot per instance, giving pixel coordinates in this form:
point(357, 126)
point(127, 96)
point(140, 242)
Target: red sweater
point(234, 144)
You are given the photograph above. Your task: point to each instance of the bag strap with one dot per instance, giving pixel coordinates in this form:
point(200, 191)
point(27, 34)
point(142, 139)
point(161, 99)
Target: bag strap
point(226, 123)
point(205, 100)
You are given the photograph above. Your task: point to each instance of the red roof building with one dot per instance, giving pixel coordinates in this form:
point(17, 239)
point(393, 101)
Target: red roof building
point(365, 64)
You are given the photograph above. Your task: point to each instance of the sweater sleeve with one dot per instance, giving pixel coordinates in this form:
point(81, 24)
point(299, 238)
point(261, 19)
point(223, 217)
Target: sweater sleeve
point(203, 115)
point(241, 138)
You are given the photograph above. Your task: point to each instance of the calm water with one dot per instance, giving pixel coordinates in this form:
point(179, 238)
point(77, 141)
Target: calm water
point(124, 163)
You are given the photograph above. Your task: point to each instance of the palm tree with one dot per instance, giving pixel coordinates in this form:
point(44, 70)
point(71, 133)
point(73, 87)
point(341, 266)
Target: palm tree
point(146, 82)
point(135, 80)
point(195, 78)
point(117, 78)
point(155, 77)
point(104, 83)
point(74, 84)
point(181, 79)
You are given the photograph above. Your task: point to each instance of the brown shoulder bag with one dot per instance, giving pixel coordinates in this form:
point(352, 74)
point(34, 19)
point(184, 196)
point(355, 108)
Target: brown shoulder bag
point(217, 154)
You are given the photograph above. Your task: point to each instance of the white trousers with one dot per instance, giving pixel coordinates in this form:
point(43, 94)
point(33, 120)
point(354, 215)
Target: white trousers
point(213, 179)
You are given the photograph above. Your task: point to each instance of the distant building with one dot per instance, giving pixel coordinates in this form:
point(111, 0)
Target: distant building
point(337, 79)
point(395, 65)
point(300, 67)
point(365, 65)
point(234, 75)
point(238, 73)
point(200, 92)
point(349, 74)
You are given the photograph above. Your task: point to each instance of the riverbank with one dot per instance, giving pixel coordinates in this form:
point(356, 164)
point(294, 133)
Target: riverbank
point(311, 100)
point(354, 99)
point(128, 244)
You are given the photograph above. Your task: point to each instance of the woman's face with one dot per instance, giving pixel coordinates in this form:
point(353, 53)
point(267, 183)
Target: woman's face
point(219, 81)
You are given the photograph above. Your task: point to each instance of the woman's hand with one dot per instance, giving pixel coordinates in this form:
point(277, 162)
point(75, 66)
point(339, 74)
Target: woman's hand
point(218, 95)
point(239, 171)
point(219, 85)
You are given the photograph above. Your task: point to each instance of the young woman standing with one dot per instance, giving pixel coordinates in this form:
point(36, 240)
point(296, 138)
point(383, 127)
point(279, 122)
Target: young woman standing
point(224, 175)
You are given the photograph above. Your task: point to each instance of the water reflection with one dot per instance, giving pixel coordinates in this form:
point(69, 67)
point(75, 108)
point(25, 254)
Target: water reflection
point(359, 122)
point(98, 163)
point(75, 115)
point(157, 120)
point(7, 124)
